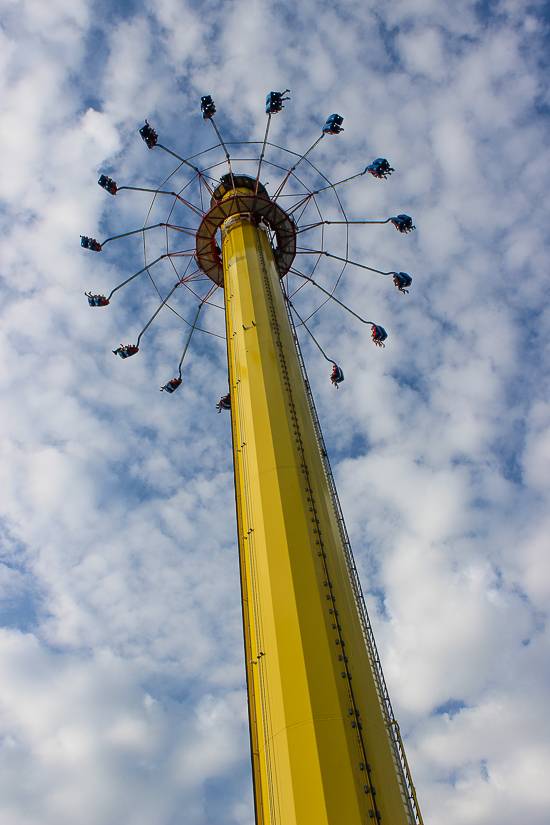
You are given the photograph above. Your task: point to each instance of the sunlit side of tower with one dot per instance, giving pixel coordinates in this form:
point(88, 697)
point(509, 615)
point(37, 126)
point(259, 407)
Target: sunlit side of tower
point(325, 747)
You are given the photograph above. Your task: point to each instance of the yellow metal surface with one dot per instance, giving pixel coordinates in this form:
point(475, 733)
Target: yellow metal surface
point(321, 749)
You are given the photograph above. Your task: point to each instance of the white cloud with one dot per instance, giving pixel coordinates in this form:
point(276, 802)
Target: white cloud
point(122, 690)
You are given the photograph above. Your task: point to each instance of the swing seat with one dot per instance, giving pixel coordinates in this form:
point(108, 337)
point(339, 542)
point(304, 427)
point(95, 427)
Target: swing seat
point(127, 351)
point(333, 126)
point(379, 335)
point(402, 281)
point(337, 375)
point(208, 107)
point(108, 184)
point(403, 223)
point(171, 386)
point(97, 300)
point(274, 102)
point(149, 135)
point(380, 168)
point(90, 243)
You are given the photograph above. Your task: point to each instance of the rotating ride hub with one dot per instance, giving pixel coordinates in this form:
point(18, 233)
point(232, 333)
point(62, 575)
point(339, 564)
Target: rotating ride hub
point(243, 195)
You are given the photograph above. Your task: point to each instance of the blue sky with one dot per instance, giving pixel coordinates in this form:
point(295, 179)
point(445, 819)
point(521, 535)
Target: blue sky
point(122, 692)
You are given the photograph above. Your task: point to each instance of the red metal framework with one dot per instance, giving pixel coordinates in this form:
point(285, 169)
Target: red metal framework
point(213, 200)
point(262, 209)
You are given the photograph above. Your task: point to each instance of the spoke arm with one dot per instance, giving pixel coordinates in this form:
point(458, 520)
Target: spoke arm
point(133, 232)
point(345, 260)
point(182, 253)
point(321, 350)
point(332, 185)
point(311, 148)
point(145, 228)
point(359, 223)
point(305, 200)
point(127, 281)
point(184, 229)
point(194, 168)
point(342, 223)
point(141, 189)
point(148, 324)
point(309, 227)
point(298, 162)
point(371, 323)
point(164, 192)
point(191, 331)
point(262, 153)
point(224, 147)
point(198, 329)
point(193, 277)
point(194, 209)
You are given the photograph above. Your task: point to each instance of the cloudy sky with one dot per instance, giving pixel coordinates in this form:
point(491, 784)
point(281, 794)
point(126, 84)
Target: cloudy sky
point(122, 693)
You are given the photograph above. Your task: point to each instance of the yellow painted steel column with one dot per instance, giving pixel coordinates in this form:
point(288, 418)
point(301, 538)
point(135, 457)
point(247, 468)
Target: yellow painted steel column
point(321, 749)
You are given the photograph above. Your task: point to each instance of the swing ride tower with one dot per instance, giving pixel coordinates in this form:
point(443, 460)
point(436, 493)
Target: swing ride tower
point(326, 748)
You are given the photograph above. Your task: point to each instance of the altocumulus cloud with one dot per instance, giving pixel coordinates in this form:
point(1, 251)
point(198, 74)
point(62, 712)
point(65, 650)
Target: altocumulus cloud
point(122, 690)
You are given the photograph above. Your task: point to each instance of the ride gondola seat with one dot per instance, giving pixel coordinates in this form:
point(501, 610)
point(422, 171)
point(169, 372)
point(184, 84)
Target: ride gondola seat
point(127, 351)
point(379, 335)
point(171, 386)
point(333, 126)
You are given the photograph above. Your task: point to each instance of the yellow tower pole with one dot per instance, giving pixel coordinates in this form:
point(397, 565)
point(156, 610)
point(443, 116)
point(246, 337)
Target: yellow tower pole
point(325, 749)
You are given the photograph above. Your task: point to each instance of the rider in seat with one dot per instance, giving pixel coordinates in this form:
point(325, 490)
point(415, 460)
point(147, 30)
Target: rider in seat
point(172, 385)
point(108, 184)
point(333, 126)
point(380, 168)
point(337, 375)
point(274, 102)
point(402, 281)
point(224, 403)
point(96, 300)
point(208, 107)
point(403, 223)
point(379, 335)
point(90, 243)
point(126, 351)
point(149, 135)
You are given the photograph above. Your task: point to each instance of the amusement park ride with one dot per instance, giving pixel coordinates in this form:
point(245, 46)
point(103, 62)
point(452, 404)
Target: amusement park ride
point(326, 748)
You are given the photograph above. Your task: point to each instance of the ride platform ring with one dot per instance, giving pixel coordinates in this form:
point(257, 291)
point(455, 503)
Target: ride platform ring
point(261, 209)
